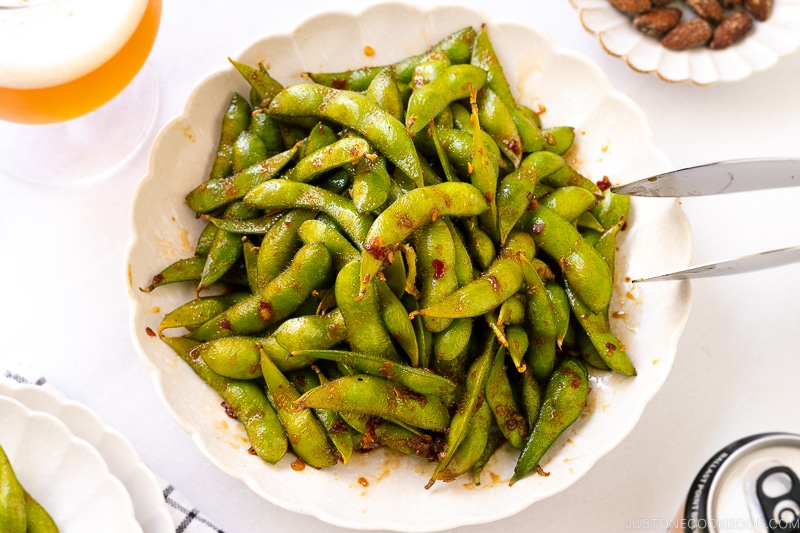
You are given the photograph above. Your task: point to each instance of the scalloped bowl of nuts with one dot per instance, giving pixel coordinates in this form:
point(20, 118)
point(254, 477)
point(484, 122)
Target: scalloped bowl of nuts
point(699, 41)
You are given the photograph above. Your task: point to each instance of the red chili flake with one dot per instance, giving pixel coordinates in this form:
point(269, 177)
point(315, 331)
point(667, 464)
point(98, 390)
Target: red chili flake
point(434, 214)
point(251, 451)
point(494, 283)
point(376, 247)
point(537, 228)
point(224, 323)
point(438, 268)
point(228, 410)
point(514, 146)
point(611, 347)
point(150, 332)
point(363, 482)
point(339, 83)
point(265, 310)
point(604, 183)
point(299, 465)
point(489, 196)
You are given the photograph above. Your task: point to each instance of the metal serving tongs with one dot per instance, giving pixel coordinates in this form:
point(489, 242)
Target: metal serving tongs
point(724, 177)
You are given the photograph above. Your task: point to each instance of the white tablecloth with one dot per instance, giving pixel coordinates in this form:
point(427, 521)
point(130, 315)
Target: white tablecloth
point(65, 306)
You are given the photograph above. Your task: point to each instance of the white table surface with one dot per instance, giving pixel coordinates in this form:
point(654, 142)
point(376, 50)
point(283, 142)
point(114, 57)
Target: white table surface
point(65, 306)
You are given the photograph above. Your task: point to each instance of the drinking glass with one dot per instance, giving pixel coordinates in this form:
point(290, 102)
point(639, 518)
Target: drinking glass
point(75, 100)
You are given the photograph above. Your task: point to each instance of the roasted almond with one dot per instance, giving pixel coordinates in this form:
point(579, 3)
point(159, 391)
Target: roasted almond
point(633, 7)
point(732, 29)
point(687, 34)
point(658, 20)
point(760, 9)
point(711, 10)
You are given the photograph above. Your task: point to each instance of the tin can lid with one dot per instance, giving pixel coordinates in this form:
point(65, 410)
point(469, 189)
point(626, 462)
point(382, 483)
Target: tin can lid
point(752, 485)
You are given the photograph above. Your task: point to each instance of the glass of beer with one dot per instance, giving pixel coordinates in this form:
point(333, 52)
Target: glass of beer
point(75, 101)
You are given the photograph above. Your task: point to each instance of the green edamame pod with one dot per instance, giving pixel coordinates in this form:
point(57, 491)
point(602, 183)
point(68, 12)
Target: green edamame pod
point(597, 327)
point(470, 402)
point(371, 183)
point(458, 145)
point(564, 400)
point(415, 209)
point(366, 332)
point(12, 498)
point(231, 357)
point(280, 244)
point(243, 400)
point(503, 405)
point(251, 226)
point(416, 379)
point(226, 248)
point(587, 350)
point(435, 261)
point(204, 240)
point(338, 431)
point(373, 395)
point(217, 192)
point(286, 194)
point(493, 441)
point(561, 309)
point(376, 431)
point(345, 151)
point(235, 120)
point(531, 394)
point(580, 262)
point(463, 263)
point(276, 301)
point(484, 174)
point(484, 56)
point(542, 338)
point(559, 139)
point(516, 193)
point(342, 252)
point(451, 349)
point(427, 101)
point(512, 311)
point(190, 269)
point(471, 448)
point(250, 259)
point(319, 137)
point(569, 201)
point(611, 208)
point(529, 131)
point(38, 519)
point(430, 66)
point(518, 342)
point(480, 245)
point(607, 243)
point(566, 175)
point(356, 111)
point(423, 335)
point(265, 86)
point(457, 46)
point(265, 127)
point(305, 432)
point(399, 326)
point(461, 116)
point(248, 149)
point(501, 280)
point(195, 312)
point(385, 91)
point(497, 120)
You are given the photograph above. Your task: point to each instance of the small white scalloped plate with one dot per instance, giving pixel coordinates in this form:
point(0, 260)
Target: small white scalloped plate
point(65, 474)
point(383, 490)
point(771, 40)
point(121, 458)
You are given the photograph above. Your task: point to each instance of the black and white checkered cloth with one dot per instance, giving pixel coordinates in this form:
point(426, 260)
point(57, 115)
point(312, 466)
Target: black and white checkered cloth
point(186, 517)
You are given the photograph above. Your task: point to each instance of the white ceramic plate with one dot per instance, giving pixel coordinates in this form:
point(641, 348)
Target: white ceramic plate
point(121, 458)
point(64, 473)
point(382, 490)
point(772, 39)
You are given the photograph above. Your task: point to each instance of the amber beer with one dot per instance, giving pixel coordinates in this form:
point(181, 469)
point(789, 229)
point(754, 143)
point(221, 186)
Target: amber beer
point(61, 59)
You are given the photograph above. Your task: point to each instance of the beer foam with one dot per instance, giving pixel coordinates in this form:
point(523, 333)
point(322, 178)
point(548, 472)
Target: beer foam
point(50, 42)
